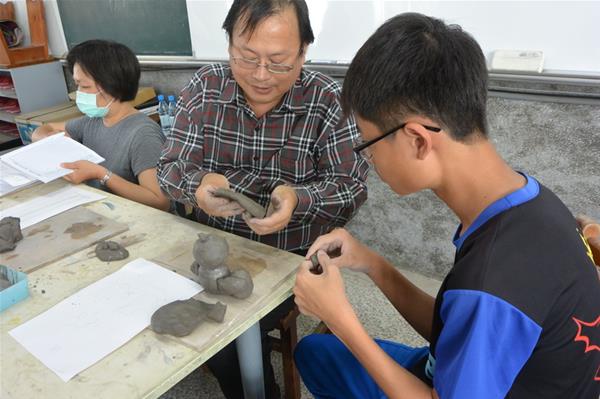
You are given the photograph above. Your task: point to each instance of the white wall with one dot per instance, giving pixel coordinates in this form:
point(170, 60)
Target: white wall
point(567, 31)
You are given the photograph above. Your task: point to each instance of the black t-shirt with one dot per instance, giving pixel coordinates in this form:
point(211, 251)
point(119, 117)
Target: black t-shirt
point(518, 316)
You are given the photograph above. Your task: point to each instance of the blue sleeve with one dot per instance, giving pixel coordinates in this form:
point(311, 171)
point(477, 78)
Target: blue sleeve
point(482, 347)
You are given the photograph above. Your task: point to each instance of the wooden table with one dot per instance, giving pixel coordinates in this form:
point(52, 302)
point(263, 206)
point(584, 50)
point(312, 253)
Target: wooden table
point(149, 364)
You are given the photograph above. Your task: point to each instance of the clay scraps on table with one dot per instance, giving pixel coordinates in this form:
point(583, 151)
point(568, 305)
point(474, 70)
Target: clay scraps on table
point(180, 318)
point(10, 233)
point(4, 282)
point(251, 206)
point(108, 251)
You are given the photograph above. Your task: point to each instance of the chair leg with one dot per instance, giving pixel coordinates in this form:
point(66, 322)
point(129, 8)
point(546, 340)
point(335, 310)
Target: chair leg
point(291, 378)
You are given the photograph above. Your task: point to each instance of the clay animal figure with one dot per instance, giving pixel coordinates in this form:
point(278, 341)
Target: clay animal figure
point(180, 318)
point(108, 251)
point(251, 206)
point(10, 233)
point(210, 252)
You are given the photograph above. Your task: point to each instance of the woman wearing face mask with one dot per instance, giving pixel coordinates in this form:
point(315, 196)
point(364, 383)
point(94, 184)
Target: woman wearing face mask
point(107, 76)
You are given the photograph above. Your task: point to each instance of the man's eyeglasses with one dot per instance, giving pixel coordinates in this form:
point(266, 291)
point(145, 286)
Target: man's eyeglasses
point(249, 64)
point(366, 144)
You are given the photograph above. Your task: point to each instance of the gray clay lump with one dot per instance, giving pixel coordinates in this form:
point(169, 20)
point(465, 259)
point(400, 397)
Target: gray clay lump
point(251, 206)
point(10, 233)
point(108, 251)
point(180, 318)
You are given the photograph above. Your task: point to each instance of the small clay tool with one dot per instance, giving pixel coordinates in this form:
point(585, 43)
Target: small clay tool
point(251, 206)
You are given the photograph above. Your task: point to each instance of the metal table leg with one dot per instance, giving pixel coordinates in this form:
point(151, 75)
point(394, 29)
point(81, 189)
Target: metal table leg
point(249, 350)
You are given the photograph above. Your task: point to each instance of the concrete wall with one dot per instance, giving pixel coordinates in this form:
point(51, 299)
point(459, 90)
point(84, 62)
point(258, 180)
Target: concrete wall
point(557, 143)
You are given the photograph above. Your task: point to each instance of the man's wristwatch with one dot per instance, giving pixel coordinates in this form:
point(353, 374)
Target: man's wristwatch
point(106, 177)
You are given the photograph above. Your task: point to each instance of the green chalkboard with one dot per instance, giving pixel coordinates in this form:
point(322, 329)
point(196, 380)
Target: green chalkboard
point(148, 27)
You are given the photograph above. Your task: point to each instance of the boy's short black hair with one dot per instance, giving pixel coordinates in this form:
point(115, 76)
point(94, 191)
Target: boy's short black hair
point(113, 66)
point(414, 64)
point(253, 12)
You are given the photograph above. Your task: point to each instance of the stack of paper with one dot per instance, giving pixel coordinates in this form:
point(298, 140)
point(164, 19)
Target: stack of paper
point(48, 205)
point(92, 323)
point(41, 161)
point(12, 179)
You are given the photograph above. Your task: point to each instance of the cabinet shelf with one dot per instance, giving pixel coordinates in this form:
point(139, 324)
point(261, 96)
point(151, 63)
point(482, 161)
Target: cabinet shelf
point(8, 93)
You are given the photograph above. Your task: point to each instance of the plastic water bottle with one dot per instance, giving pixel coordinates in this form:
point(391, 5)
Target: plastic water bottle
point(163, 114)
point(172, 110)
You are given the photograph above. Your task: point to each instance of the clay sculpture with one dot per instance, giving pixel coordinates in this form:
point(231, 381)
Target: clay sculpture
point(180, 318)
point(108, 251)
point(210, 252)
point(251, 206)
point(10, 233)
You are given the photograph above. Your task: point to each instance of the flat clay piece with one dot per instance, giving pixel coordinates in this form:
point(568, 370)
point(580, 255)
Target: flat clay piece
point(251, 206)
point(210, 250)
point(180, 318)
point(10, 233)
point(108, 251)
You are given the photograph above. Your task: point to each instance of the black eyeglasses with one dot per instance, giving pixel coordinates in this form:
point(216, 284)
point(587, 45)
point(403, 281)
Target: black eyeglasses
point(366, 144)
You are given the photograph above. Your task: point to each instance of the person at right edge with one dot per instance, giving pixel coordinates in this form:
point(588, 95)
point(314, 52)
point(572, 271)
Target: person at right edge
point(518, 314)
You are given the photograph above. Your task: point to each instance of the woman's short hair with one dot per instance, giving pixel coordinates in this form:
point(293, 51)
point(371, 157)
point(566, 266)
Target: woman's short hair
point(113, 66)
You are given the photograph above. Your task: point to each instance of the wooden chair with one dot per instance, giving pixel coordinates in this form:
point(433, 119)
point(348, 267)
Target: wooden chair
point(38, 50)
point(285, 344)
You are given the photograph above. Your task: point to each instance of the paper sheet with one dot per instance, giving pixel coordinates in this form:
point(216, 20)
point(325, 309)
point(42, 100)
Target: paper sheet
point(41, 159)
point(12, 179)
point(87, 326)
point(48, 205)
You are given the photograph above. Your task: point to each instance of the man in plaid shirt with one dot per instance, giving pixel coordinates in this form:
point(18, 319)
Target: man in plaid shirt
point(265, 127)
point(278, 138)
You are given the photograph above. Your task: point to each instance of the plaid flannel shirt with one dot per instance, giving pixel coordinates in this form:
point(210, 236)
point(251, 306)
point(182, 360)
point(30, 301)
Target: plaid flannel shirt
point(304, 142)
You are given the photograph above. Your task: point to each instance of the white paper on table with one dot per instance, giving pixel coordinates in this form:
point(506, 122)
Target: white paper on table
point(90, 324)
point(41, 160)
point(12, 179)
point(51, 204)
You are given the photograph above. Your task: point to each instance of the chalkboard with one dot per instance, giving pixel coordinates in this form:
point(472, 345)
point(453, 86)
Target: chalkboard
point(148, 27)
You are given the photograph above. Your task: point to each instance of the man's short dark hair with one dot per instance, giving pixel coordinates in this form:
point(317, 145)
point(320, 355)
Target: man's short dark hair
point(113, 66)
point(414, 64)
point(252, 12)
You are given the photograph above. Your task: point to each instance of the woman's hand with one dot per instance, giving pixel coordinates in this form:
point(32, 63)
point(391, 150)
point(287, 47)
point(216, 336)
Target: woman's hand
point(83, 171)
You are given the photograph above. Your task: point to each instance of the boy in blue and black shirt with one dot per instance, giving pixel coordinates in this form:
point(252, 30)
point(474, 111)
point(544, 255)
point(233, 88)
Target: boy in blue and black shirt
point(518, 315)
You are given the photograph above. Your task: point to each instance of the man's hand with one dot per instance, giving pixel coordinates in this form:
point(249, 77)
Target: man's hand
point(83, 171)
point(353, 254)
point(280, 211)
point(215, 206)
point(322, 296)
